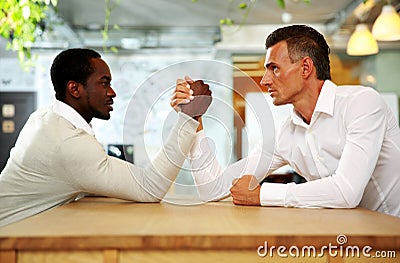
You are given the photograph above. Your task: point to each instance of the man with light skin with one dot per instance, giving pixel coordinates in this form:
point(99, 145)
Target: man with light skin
point(344, 140)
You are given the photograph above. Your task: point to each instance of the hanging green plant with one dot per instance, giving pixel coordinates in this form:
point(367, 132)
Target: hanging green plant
point(21, 22)
point(109, 6)
point(245, 7)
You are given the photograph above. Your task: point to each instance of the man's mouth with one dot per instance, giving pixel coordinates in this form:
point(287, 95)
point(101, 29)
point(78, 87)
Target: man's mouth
point(109, 103)
point(271, 92)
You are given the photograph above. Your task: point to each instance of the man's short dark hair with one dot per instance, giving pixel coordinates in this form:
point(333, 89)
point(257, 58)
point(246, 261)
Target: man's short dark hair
point(71, 64)
point(304, 41)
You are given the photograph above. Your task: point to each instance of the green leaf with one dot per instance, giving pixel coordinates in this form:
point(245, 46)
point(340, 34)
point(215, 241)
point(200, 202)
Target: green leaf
point(281, 3)
point(242, 6)
point(21, 55)
point(114, 49)
point(104, 34)
point(226, 21)
point(28, 54)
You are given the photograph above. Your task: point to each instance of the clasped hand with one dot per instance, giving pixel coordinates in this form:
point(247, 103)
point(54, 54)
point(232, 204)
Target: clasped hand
point(191, 97)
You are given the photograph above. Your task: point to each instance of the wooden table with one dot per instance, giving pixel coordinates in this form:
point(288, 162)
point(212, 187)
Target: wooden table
point(110, 230)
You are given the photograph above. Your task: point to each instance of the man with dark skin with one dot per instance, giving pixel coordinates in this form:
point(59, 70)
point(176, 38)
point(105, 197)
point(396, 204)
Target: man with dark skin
point(57, 159)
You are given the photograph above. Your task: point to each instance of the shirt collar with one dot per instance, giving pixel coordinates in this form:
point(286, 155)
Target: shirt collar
point(326, 99)
point(71, 115)
point(325, 102)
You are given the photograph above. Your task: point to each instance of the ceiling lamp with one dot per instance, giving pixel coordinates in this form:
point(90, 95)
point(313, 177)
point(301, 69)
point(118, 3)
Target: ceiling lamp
point(387, 25)
point(361, 42)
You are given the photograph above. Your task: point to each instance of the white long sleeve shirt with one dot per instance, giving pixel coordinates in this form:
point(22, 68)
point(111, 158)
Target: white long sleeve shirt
point(349, 154)
point(56, 159)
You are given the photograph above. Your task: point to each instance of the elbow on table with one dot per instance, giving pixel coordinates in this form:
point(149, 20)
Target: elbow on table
point(152, 199)
point(352, 200)
point(351, 205)
point(348, 194)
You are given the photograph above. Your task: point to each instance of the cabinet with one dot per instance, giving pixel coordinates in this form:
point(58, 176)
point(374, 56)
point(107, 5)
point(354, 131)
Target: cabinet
point(15, 108)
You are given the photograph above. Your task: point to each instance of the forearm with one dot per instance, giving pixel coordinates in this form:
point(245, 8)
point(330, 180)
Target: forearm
point(165, 167)
point(96, 172)
point(343, 189)
point(322, 193)
point(207, 171)
point(213, 182)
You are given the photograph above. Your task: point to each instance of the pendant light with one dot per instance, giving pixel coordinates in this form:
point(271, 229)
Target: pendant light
point(387, 25)
point(361, 42)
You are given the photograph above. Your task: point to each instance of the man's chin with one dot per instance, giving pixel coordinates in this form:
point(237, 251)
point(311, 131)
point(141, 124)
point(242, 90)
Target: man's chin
point(104, 117)
point(276, 102)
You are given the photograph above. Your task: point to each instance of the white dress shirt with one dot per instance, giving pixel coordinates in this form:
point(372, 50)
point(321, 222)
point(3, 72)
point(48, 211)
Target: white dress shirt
point(349, 154)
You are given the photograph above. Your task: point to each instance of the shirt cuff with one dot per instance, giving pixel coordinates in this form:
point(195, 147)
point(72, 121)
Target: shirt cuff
point(187, 123)
point(196, 149)
point(273, 194)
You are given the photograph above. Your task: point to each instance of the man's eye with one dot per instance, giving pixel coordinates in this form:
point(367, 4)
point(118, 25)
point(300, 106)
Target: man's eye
point(106, 84)
point(275, 70)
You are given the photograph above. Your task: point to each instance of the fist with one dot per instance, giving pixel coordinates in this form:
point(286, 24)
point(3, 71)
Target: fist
point(246, 191)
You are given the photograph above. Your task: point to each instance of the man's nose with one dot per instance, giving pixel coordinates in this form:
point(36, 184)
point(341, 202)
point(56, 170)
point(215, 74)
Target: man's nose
point(111, 92)
point(266, 79)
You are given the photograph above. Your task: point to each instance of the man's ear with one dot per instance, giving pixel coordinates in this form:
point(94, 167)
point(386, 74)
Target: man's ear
point(308, 66)
point(74, 89)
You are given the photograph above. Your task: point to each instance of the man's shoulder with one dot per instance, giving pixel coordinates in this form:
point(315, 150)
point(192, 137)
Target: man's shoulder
point(44, 120)
point(355, 90)
point(357, 93)
point(359, 98)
